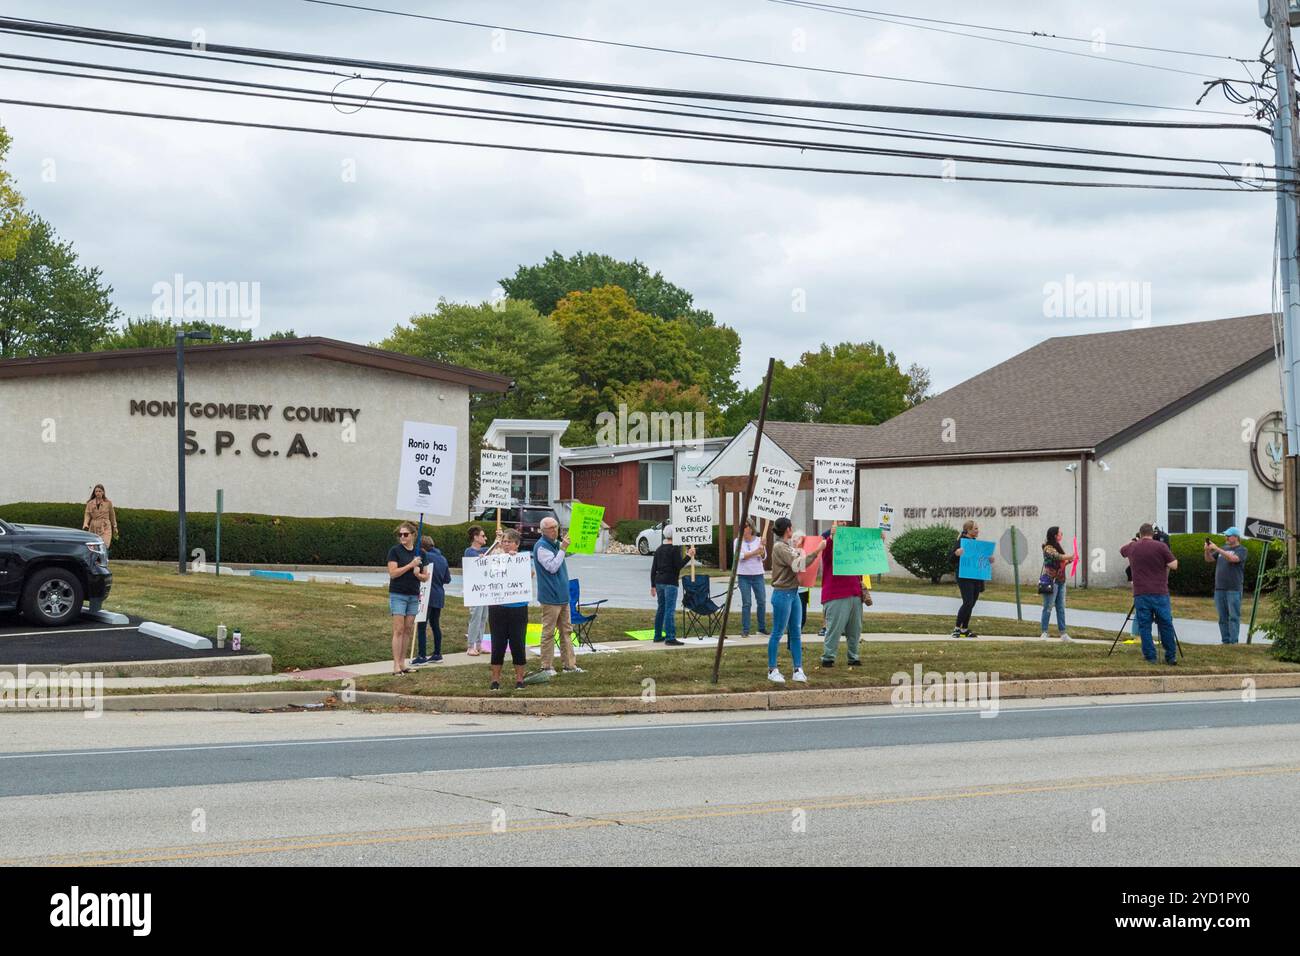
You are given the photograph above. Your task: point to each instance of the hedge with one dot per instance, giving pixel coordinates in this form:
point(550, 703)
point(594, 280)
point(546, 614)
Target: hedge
point(625, 531)
point(149, 535)
point(926, 551)
point(1196, 577)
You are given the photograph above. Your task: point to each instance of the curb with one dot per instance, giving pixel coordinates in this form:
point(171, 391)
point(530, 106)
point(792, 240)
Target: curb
point(691, 703)
point(244, 665)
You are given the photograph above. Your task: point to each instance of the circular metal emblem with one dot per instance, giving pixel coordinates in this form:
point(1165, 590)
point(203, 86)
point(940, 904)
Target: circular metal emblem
point(1266, 451)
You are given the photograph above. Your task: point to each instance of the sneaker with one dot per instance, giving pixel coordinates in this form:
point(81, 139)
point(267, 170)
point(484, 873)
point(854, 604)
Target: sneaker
point(549, 672)
point(1065, 638)
point(855, 663)
point(826, 663)
point(744, 633)
point(1044, 636)
point(419, 661)
point(822, 632)
point(956, 632)
point(496, 685)
point(519, 685)
point(435, 659)
point(1172, 663)
point(775, 677)
point(575, 669)
point(674, 643)
point(799, 676)
point(764, 631)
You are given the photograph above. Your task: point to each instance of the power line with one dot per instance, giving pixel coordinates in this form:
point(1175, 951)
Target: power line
point(43, 29)
point(598, 154)
point(373, 101)
point(846, 12)
point(1034, 33)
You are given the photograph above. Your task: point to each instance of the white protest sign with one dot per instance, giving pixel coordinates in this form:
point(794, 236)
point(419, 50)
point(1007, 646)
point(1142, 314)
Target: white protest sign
point(494, 479)
point(833, 482)
point(886, 520)
point(426, 482)
point(426, 588)
point(692, 517)
point(774, 492)
point(497, 579)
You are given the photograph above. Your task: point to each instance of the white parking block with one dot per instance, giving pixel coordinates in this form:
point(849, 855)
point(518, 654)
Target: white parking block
point(176, 636)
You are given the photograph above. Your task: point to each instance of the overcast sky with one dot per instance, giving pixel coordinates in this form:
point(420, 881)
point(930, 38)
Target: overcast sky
point(948, 274)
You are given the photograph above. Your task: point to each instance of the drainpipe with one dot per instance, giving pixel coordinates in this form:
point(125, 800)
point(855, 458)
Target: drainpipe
point(1083, 519)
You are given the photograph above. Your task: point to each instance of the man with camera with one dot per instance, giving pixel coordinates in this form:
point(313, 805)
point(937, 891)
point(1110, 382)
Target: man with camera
point(1150, 562)
point(1229, 579)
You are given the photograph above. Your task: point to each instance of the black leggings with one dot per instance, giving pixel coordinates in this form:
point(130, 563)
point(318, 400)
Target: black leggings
point(508, 625)
point(434, 618)
point(970, 593)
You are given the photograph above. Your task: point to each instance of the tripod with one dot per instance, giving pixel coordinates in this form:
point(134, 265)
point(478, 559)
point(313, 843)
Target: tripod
point(1124, 627)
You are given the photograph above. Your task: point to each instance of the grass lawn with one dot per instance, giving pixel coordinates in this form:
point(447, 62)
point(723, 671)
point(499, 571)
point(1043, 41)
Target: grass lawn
point(304, 625)
point(688, 671)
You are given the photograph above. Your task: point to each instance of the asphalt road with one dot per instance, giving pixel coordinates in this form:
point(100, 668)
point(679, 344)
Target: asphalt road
point(1193, 780)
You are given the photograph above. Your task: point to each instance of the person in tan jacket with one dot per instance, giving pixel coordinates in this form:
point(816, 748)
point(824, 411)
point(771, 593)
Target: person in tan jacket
point(787, 614)
point(100, 518)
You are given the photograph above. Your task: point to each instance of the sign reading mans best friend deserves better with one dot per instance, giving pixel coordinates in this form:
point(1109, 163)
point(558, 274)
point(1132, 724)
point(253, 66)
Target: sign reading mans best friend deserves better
point(494, 479)
point(497, 579)
point(584, 527)
point(692, 517)
point(774, 492)
point(426, 482)
point(833, 483)
point(858, 551)
point(976, 559)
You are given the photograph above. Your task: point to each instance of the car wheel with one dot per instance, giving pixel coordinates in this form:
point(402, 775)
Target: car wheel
point(53, 597)
point(643, 545)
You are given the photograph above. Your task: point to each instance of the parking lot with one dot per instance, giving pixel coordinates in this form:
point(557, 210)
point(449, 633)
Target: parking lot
point(84, 642)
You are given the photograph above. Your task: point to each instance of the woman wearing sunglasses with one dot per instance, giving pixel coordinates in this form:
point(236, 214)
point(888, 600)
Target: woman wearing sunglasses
point(404, 577)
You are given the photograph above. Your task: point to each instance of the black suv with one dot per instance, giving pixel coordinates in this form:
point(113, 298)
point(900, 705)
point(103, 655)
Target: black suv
point(47, 572)
point(526, 520)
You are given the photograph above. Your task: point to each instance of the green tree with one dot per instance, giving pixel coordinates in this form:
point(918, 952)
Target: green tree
point(48, 302)
point(856, 383)
point(15, 224)
point(507, 337)
point(612, 345)
point(918, 384)
point(716, 347)
point(672, 397)
point(148, 332)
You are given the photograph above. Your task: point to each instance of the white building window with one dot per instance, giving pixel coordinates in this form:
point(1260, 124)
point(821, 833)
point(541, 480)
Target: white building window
point(655, 482)
point(530, 468)
point(1197, 501)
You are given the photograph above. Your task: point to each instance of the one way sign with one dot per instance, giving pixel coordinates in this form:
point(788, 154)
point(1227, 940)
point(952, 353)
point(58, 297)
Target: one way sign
point(1259, 528)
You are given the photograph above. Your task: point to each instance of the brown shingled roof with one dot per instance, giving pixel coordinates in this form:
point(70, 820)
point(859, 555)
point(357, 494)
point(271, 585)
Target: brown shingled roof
point(805, 441)
point(1121, 384)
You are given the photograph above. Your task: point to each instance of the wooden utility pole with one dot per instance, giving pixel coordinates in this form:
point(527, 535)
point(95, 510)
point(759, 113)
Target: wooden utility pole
point(744, 514)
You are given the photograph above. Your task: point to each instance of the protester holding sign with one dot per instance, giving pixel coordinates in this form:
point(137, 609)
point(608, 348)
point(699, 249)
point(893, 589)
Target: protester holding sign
point(477, 615)
point(508, 624)
point(438, 576)
point(1055, 561)
point(841, 606)
point(553, 595)
point(970, 587)
point(787, 562)
point(404, 577)
point(665, 571)
point(749, 574)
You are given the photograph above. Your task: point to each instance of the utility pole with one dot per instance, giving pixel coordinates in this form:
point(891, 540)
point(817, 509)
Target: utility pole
point(1286, 146)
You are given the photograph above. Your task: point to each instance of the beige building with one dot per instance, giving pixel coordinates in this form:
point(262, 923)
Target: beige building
point(1176, 425)
point(307, 427)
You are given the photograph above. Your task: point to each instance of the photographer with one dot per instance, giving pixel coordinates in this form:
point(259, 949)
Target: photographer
point(1229, 578)
point(1150, 562)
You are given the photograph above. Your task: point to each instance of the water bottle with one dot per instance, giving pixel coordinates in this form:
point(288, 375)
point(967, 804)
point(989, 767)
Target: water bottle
point(221, 635)
point(236, 639)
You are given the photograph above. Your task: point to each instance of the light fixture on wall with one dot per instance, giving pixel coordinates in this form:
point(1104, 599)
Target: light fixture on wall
point(1072, 467)
point(1102, 465)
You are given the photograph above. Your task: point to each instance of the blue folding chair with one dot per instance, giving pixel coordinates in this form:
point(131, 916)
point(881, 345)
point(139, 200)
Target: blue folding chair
point(582, 622)
point(701, 614)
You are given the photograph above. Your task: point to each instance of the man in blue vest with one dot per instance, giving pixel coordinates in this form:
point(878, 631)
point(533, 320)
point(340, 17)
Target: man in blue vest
point(553, 595)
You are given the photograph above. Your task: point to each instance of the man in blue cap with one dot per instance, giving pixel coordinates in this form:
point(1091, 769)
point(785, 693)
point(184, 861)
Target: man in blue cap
point(1229, 578)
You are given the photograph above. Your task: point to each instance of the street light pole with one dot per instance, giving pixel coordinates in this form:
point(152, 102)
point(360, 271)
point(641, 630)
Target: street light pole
point(181, 336)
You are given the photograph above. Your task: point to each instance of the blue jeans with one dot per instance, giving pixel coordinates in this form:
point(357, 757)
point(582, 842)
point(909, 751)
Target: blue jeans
point(1057, 598)
point(752, 589)
point(787, 615)
point(666, 612)
point(1228, 604)
point(1156, 605)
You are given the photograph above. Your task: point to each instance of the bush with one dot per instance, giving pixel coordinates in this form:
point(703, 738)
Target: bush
point(1283, 629)
point(926, 551)
point(625, 531)
point(247, 538)
point(1195, 576)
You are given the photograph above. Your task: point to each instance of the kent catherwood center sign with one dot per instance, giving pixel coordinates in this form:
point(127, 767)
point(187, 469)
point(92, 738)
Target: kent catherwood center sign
point(262, 443)
point(976, 511)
